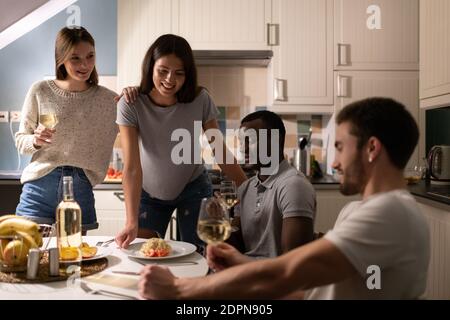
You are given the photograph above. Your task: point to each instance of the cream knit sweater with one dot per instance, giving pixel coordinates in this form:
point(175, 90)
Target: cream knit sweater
point(84, 135)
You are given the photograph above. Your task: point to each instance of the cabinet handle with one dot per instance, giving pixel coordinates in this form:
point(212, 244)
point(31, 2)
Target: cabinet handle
point(279, 90)
point(343, 84)
point(343, 54)
point(120, 196)
point(273, 34)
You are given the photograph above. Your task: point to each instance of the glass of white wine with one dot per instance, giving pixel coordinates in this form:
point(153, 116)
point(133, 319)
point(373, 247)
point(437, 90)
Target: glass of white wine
point(228, 193)
point(213, 224)
point(47, 115)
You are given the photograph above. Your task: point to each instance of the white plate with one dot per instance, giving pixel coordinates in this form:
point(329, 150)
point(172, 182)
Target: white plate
point(102, 252)
point(179, 249)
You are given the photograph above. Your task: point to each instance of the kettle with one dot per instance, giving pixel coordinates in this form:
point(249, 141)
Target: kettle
point(439, 164)
point(301, 156)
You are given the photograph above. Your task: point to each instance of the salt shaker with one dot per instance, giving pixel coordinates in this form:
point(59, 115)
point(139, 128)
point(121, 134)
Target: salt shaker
point(53, 260)
point(33, 263)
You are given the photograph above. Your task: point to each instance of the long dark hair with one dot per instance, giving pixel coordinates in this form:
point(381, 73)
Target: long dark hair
point(66, 40)
point(163, 46)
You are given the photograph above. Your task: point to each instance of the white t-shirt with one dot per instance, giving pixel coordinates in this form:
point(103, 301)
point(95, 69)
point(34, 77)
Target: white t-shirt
point(386, 230)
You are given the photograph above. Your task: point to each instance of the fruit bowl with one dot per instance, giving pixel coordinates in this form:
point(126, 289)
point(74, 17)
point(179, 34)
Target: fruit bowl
point(17, 236)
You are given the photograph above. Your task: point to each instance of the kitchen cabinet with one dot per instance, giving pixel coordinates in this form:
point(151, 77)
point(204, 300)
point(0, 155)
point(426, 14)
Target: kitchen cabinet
point(377, 34)
point(434, 48)
point(329, 205)
point(303, 56)
point(206, 24)
point(110, 208)
point(111, 214)
point(438, 218)
point(402, 86)
point(140, 23)
point(223, 24)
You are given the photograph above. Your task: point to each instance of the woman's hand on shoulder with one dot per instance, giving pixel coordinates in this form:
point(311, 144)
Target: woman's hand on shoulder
point(42, 136)
point(131, 94)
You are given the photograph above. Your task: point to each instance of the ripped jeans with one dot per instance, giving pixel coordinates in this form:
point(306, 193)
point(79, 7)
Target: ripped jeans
point(155, 214)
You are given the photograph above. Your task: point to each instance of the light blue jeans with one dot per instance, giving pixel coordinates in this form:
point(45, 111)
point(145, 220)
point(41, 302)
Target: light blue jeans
point(40, 197)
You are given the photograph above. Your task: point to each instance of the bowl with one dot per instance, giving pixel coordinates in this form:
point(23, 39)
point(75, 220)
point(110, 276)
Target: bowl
point(413, 175)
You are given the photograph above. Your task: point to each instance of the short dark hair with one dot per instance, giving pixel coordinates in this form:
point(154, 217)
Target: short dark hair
point(387, 120)
point(66, 40)
point(271, 121)
point(165, 45)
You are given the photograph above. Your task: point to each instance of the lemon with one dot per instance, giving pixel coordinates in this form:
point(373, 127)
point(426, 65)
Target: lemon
point(69, 253)
point(88, 252)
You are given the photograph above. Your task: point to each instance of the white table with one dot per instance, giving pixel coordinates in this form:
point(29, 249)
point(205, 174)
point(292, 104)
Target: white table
point(107, 280)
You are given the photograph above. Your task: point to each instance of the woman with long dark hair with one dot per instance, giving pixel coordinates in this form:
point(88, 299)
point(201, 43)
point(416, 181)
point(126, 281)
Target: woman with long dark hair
point(168, 101)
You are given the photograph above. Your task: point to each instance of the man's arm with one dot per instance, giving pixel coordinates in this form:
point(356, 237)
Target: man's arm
point(316, 264)
point(231, 170)
point(296, 231)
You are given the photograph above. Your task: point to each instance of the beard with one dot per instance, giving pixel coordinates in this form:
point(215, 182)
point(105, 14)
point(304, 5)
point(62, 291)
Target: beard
point(354, 177)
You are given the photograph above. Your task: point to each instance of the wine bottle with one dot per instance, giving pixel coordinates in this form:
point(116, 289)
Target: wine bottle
point(68, 227)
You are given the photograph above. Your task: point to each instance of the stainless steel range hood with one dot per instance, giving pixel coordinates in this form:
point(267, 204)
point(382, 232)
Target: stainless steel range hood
point(255, 58)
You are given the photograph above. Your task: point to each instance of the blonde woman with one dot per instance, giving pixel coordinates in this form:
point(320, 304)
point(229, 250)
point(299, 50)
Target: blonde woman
point(79, 143)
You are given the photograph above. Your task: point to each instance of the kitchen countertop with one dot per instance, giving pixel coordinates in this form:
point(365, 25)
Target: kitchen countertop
point(328, 182)
point(430, 192)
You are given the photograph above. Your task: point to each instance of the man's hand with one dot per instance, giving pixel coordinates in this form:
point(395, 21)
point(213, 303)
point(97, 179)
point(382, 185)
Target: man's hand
point(223, 256)
point(157, 282)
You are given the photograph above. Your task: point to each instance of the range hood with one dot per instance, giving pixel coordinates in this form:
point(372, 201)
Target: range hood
point(255, 58)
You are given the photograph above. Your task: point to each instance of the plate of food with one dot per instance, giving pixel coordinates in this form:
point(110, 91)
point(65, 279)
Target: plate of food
point(88, 253)
point(159, 249)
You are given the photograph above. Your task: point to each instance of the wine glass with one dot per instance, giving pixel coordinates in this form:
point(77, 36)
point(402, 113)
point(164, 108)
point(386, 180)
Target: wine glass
point(47, 115)
point(213, 224)
point(228, 193)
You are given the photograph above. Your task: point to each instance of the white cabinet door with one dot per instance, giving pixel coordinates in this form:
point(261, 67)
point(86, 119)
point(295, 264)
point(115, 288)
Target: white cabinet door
point(303, 60)
point(224, 24)
point(438, 284)
point(376, 34)
point(110, 208)
point(140, 23)
point(402, 86)
point(434, 48)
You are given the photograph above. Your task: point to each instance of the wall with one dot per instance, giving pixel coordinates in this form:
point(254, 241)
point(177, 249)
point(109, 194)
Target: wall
point(31, 58)
point(238, 91)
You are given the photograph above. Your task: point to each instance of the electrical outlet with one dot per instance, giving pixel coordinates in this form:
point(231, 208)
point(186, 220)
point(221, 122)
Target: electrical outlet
point(4, 116)
point(15, 116)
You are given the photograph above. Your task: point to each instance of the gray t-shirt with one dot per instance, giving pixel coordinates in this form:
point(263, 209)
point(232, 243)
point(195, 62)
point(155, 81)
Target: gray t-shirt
point(264, 205)
point(163, 178)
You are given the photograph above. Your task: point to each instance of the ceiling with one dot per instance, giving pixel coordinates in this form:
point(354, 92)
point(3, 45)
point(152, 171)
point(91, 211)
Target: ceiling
point(14, 10)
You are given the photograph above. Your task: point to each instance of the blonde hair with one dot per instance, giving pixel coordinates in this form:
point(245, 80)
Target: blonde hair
point(66, 40)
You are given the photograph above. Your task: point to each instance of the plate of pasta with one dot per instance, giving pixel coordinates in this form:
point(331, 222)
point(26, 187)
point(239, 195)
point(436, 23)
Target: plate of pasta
point(159, 249)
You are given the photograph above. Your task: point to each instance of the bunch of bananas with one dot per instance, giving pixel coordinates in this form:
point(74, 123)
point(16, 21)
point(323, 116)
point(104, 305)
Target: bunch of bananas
point(17, 236)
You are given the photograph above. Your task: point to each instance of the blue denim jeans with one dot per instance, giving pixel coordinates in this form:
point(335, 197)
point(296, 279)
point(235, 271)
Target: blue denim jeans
point(40, 197)
point(155, 214)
